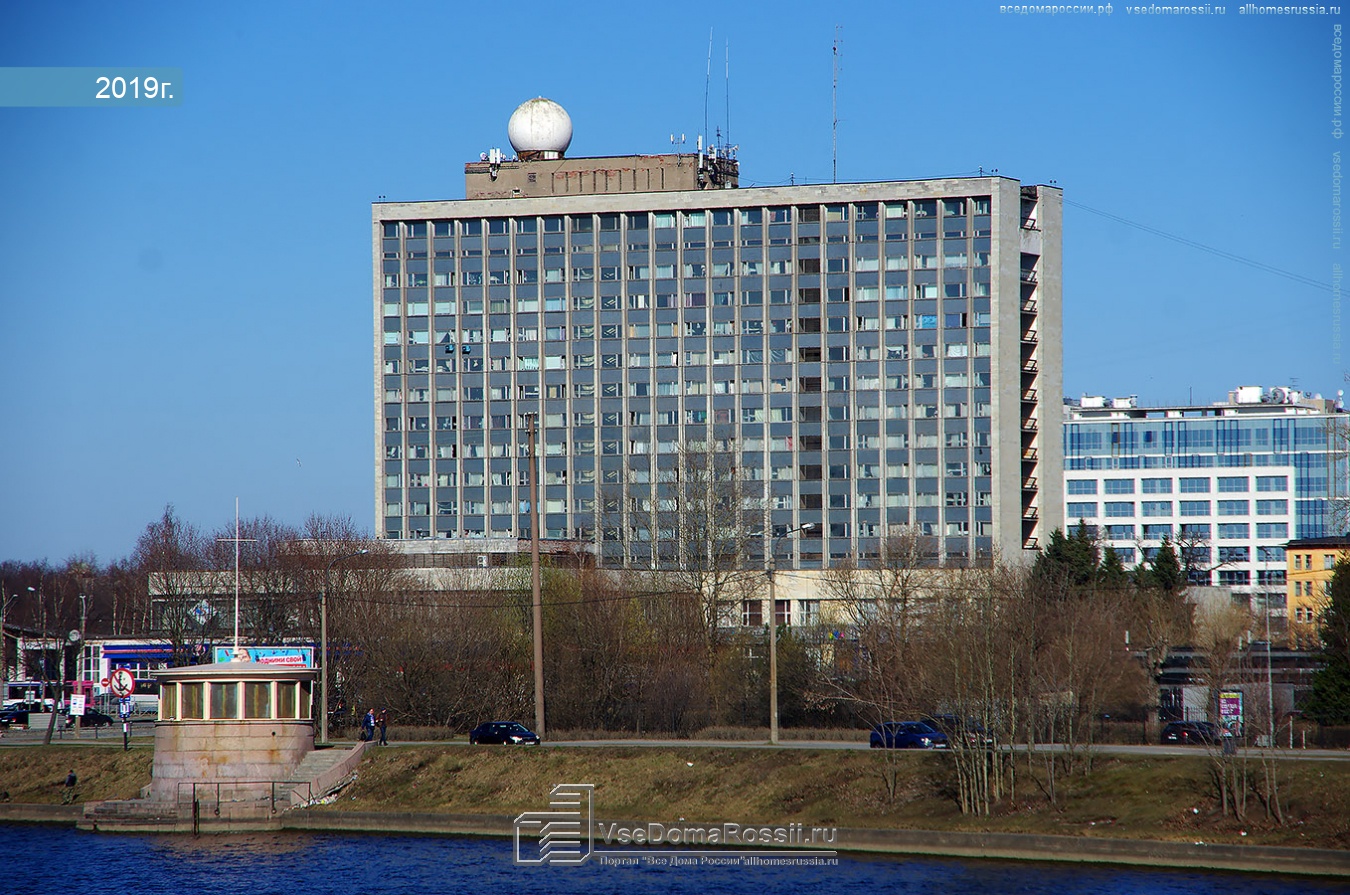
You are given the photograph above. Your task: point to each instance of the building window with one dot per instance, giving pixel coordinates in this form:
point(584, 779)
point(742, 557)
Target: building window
point(1119, 509)
point(1081, 510)
point(1234, 531)
point(1233, 507)
point(1233, 484)
point(1272, 483)
point(1156, 507)
point(224, 700)
point(1272, 531)
point(1118, 486)
point(1194, 485)
point(1156, 486)
point(1082, 486)
point(1194, 508)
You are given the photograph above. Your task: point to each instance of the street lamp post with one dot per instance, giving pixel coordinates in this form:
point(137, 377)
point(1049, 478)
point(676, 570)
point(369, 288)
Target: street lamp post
point(536, 584)
point(773, 629)
point(323, 643)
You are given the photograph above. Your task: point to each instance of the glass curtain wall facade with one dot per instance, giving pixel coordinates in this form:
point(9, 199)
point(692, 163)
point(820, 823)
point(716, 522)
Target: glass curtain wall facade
point(1230, 485)
point(867, 356)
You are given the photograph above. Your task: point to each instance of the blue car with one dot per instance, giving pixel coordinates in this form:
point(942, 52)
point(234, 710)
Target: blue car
point(907, 735)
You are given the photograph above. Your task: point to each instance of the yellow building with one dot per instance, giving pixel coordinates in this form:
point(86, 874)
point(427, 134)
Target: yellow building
point(1309, 566)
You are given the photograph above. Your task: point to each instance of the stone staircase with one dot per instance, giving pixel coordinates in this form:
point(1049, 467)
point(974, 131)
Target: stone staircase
point(322, 771)
point(129, 814)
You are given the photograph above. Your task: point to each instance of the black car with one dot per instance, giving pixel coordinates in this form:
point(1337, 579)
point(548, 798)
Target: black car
point(14, 718)
point(91, 718)
point(1190, 732)
point(906, 735)
point(503, 733)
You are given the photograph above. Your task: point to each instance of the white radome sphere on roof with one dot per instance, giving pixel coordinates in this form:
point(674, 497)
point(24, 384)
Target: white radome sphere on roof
point(540, 125)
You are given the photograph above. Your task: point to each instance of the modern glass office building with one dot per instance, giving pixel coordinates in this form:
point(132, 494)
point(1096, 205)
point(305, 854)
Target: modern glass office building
point(867, 355)
point(1230, 483)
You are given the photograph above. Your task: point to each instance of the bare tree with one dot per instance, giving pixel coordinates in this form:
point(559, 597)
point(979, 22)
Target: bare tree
point(700, 523)
point(1219, 630)
point(170, 558)
point(885, 600)
point(976, 652)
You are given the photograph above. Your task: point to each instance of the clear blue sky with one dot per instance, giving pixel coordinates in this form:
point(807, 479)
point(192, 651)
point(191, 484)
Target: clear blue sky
point(185, 301)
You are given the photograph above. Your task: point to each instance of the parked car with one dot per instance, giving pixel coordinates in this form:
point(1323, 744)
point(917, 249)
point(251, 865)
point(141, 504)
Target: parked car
point(906, 735)
point(1190, 732)
point(503, 733)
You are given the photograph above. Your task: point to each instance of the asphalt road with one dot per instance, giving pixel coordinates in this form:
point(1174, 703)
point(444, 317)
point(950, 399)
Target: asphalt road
point(142, 733)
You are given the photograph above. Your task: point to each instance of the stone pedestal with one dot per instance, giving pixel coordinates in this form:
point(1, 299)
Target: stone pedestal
point(233, 729)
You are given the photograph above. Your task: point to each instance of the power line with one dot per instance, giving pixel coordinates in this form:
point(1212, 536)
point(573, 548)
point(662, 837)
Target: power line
point(1220, 253)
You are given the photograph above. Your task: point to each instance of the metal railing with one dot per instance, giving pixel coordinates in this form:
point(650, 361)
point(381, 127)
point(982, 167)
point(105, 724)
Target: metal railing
point(213, 788)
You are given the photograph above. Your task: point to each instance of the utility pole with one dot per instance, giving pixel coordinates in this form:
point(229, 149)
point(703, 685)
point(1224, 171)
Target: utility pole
point(536, 585)
point(4, 644)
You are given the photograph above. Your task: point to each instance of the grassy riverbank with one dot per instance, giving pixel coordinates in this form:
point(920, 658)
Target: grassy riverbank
point(1137, 798)
point(1124, 797)
point(37, 774)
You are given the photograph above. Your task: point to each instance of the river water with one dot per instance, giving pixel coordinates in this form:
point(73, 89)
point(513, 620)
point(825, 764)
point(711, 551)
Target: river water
point(42, 859)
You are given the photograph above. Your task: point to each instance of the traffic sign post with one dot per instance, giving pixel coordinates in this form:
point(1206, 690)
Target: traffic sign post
point(123, 683)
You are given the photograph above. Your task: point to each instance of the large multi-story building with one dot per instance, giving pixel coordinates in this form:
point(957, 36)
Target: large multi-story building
point(1229, 483)
point(862, 356)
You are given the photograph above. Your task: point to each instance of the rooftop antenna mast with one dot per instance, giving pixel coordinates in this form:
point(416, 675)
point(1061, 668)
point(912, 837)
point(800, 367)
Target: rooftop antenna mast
point(728, 91)
point(834, 106)
point(707, 83)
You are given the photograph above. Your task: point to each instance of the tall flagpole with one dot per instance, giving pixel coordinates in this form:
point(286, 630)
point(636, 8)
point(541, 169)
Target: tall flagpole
point(237, 540)
point(235, 651)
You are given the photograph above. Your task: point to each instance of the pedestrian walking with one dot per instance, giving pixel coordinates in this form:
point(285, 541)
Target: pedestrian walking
point(68, 795)
point(368, 726)
point(384, 724)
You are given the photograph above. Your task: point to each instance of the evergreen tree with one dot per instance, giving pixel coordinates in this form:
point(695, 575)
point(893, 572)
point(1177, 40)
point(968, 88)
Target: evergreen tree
point(1164, 572)
point(1330, 699)
point(1069, 561)
point(1112, 572)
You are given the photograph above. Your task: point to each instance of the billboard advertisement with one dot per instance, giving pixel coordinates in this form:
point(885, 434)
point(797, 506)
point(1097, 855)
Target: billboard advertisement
point(284, 656)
